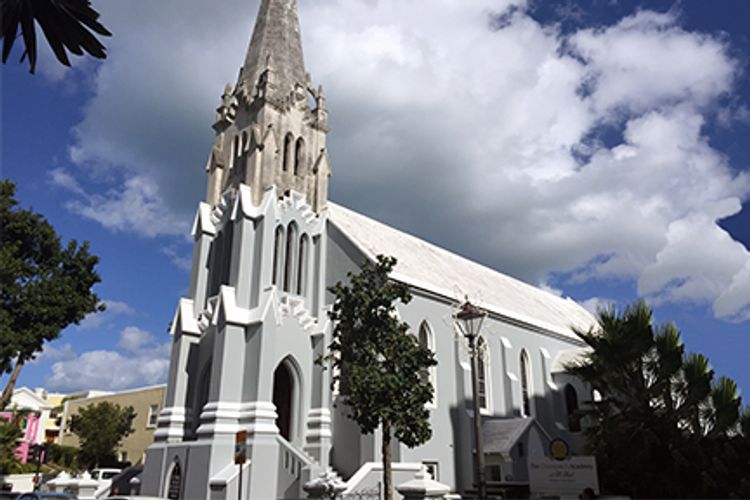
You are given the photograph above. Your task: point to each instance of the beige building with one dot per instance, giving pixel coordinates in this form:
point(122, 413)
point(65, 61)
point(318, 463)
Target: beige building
point(147, 403)
point(52, 426)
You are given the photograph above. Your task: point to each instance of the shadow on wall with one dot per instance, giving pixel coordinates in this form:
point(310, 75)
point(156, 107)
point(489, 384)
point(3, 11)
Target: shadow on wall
point(547, 412)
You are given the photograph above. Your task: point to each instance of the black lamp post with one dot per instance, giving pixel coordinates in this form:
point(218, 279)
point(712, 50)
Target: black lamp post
point(469, 319)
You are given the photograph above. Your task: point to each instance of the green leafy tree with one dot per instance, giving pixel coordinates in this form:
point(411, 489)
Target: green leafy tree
point(67, 24)
point(663, 426)
point(101, 428)
point(381, 367)
point(10, 433)
point(44, 285)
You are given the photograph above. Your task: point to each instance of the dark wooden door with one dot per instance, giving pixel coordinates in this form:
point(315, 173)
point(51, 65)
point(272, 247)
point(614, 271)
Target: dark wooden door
point(282, 399)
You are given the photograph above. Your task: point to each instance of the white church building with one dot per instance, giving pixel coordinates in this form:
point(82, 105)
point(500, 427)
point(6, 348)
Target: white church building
point(268, 243)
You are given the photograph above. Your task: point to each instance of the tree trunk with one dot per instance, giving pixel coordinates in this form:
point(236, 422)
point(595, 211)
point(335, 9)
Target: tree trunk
point(8, 392)
point(387, 473)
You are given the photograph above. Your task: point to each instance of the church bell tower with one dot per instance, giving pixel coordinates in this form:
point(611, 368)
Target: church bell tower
point(271, 126)
point(246, 337)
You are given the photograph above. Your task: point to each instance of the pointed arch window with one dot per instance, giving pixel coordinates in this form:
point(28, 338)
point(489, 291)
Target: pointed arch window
point(482, 392)
point(571, 405)
point(304, 244)
point(299, 156)
point(291, 238)
point(278, 248)
point(287, 154)
point(525, 385)
point(245, 144)
point(427, 339)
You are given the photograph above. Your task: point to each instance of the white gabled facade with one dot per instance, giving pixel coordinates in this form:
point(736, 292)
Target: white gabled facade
point(246, 339)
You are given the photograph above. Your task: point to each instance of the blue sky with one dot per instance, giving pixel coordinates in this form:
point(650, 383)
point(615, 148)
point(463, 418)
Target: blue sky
point(596, 148)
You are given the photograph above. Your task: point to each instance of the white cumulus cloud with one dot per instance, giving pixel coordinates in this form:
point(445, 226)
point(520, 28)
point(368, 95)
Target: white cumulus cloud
point(113, 308)
point(144, 362)
point(481, 136)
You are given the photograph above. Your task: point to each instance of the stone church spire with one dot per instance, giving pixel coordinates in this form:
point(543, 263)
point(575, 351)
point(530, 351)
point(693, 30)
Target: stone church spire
point(276, 45)
point(271, 126)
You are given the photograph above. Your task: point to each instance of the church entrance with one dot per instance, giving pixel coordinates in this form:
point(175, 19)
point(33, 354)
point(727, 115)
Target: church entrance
point(283, 394)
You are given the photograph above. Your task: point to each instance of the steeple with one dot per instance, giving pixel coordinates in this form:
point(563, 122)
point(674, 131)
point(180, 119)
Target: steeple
point(276, 46)
point(271, 127)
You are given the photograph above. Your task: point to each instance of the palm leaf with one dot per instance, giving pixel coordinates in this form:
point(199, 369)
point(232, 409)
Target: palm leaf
point(65, 24)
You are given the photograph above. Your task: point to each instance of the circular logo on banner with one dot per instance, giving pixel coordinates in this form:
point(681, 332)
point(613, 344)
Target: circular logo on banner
point(558, 449)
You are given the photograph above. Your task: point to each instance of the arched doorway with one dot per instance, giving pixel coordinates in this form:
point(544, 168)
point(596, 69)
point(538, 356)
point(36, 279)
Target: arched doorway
point(283, 399)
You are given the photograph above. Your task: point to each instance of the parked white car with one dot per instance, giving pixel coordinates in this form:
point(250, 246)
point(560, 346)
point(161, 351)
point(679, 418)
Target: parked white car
point(104, 474)
point(104, 478)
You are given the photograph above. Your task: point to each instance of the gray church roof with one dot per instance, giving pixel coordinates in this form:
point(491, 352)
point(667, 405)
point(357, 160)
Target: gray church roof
point(276, 44)
point(429, 267)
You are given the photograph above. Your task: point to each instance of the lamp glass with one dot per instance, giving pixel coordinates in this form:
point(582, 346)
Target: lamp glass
point(470, 319)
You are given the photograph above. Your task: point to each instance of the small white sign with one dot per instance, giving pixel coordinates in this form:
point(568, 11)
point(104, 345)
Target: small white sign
point(559, 477)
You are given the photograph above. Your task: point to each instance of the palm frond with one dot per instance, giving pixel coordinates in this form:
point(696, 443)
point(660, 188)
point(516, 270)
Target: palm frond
point(67, 25)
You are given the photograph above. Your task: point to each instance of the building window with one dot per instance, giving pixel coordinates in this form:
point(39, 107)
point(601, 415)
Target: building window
point(571, 405)
point(287, 154)
point(299, 155)
point(277, 249)
point(123, 457)
point(291, 237)
point(427, 339)
point(482, 373)
point(525, 381)
point(153, 415)
point(301, 267)
point(433, 469)
point(236, 150)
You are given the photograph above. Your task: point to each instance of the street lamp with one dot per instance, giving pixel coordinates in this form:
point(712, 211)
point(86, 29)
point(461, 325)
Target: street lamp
point(469, 319)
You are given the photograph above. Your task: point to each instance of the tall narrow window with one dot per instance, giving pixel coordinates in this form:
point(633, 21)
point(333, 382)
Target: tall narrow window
point(301, 267)
point(291, 237)
point(427, 340)
point(571, 405)
point(277, 249)
point(287, 154)
point(245, 144)
point(482, 373)
point(236, 149)
point(525, 380)
point(153, 415)
point(424, 341)
point(299, 156)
